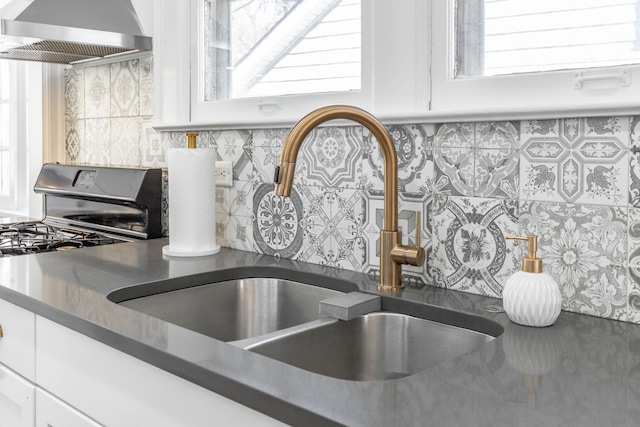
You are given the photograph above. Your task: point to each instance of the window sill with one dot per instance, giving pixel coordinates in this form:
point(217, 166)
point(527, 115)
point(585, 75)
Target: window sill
point(613, 109)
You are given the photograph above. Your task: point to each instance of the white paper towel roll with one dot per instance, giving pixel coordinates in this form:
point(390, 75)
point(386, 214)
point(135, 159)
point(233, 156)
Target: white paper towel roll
point(192, 197)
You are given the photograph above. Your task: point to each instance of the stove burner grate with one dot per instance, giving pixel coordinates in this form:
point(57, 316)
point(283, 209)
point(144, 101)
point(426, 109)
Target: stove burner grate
point(34, 237)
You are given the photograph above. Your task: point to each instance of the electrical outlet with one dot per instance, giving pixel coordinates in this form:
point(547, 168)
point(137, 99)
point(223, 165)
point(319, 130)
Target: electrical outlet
point(224, 174)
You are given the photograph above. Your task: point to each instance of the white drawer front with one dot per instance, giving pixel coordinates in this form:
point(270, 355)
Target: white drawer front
point(17, 399)
point(52, 412)
point(17, 346)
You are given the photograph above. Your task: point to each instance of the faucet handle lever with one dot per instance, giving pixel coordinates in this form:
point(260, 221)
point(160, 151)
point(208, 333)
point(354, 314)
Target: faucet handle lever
point(412, 255)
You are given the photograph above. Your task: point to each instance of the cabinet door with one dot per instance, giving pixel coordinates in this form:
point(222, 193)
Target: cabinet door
point(17, 346)
point(52, 412)
point(17, 397)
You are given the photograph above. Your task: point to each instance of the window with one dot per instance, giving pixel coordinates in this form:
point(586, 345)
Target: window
point(269, 60)
point(523, 57)
point(418, 59)
point(498, 37)
point(280, 47)
point(12, 157)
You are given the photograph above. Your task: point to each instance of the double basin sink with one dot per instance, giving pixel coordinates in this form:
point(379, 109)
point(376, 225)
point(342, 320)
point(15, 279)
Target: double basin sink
point(280, 319)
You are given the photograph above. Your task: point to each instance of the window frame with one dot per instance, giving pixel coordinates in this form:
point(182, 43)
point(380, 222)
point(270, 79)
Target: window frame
point(17, 102)
point(38, 132)
point(392, 81)
point(413, 84)
point(531, 95)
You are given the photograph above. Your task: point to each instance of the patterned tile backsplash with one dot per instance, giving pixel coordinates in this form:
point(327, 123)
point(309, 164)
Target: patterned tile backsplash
point(575, 182)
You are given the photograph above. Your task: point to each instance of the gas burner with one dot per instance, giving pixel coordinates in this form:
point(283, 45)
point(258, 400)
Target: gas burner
point(34, 237)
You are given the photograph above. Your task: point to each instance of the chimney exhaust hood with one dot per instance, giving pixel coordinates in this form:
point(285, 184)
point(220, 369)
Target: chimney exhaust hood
point(69, 31)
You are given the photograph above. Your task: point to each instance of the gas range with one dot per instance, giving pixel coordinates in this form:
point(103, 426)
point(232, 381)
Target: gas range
point(88, 206)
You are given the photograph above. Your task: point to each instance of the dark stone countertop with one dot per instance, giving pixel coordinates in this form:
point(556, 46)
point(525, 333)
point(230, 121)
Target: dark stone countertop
point(582, 371)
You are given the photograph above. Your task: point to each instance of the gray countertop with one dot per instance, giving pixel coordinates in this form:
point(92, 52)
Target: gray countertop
point(582, 371)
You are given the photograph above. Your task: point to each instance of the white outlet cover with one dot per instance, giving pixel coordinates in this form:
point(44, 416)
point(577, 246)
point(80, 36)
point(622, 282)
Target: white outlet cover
point(224, 173)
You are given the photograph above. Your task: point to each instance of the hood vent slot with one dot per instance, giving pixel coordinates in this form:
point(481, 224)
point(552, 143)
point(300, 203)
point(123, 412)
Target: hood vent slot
point(60, 52)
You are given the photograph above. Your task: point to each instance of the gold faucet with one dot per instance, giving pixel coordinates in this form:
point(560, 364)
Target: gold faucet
point(392, 253)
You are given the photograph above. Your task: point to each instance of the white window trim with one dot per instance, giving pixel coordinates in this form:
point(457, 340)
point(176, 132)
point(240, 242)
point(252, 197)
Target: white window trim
point(39, 126)
point(262, 110)
point(393, 81)
point(400, 85)
point(524, 96)
point(12, 202)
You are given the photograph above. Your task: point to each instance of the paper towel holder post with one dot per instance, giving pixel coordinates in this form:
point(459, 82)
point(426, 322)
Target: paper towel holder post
point(191, 139)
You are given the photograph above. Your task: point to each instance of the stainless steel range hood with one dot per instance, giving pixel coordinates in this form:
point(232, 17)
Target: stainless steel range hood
point(69, 31)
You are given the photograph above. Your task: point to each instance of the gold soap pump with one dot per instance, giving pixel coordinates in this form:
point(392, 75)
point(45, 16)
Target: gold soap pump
point(531, 297)
point(531, 263)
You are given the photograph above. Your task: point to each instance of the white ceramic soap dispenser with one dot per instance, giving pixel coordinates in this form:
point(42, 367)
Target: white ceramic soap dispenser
point(531, 297)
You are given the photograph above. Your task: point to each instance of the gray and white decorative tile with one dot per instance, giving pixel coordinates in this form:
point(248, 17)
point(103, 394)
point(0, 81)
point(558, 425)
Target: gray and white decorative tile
point(576, 160)
point(634, 163)
point(333, 222)
point(74, 93)
point(235, 200)
point(497, 135)
point(334, 249)
point(455, 135)
point(125, 141)
point(97, 92)
point(454, 159)
point(634, 265)
point(204, 139)
point(153, 148)
point(470, 252)
point(496, 156)
point(266, 153)
point(147, 87)
point(276, 225)
point(74, 141)
point(408, 205)
point(331, 157)
point(496, 173)
point(414, 149)
point(175, 139)
point(97, 149)
point(477, 159)
point(585, 248)
point(235, 232)
point(125, 91)
point(233, 145)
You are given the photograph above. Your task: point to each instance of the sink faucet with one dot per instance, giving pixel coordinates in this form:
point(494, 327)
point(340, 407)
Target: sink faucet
point(392, 252)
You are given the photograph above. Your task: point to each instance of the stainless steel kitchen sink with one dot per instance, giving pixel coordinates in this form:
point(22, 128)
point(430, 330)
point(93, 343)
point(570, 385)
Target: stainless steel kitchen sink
point(373, 347)
point(236, 309)
point(279, 318)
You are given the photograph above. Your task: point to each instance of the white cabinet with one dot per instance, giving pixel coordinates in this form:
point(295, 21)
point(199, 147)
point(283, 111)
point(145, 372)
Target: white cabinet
point(22, 403)
point(96, 378)
point(17, 346)
point(75, 381)
point(17, 399)
point(17, 356)
point(52, 412)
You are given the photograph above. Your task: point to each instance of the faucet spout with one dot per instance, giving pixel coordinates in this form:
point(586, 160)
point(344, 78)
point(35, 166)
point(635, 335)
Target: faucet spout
point(392, 253)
